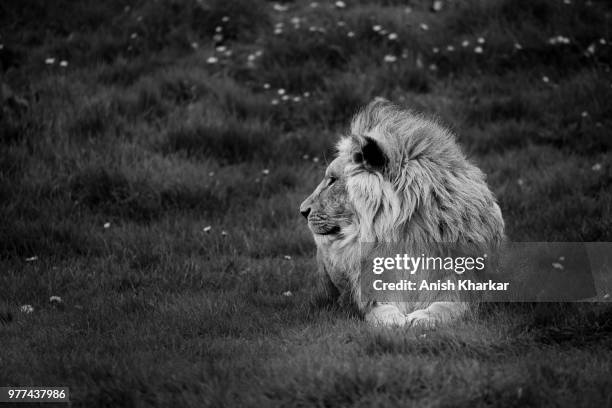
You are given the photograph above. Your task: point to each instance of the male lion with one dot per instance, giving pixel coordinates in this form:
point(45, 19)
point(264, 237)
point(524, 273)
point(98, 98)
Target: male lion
point(398, 177)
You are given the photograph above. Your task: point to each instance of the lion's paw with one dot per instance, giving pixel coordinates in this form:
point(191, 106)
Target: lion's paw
point(421, 318)
point(385, 315)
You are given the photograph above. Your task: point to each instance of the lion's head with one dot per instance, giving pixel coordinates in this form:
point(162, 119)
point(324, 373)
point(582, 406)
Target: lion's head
point(399, 176)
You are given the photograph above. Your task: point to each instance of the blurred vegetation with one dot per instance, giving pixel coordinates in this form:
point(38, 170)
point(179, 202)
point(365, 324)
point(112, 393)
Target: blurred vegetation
point(127, 127)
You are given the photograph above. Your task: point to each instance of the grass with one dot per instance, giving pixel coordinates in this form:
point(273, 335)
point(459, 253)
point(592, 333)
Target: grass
point(111, 167)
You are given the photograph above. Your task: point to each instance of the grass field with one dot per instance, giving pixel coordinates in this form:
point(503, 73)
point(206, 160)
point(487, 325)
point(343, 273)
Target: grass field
point(153, 155)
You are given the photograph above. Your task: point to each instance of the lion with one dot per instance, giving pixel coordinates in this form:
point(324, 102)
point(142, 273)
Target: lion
point(398, 177)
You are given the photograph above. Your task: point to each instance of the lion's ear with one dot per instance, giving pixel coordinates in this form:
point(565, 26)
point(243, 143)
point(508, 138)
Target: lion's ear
point(370, 155)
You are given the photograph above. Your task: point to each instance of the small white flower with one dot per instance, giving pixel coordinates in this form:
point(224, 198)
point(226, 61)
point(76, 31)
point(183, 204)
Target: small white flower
point(377, 27)
point(562, 258)
point(221, 48)
point(50, 61)
point(602, 41)
point(57, 299)
point(224, 233)
point(314, 4)
point(557, 265)
point(274, 101)
point(281, 91)
point(518, 46)
point(520, 182)
point(287, 257)
point(1, 46)
point(278, 31)
point(285, 97)
point(465, 43)
point(390, 58)
point(450, 48)
point(545, 79)
point(225, 19)
point(134, 36)
point(265, 172)
point(306, 94)
point(27, 309)
point(195, 45)
point(212, 60)
point(31, 259)
point(217, 38)
point(584, 114)
point(408, 10)
point(315, 159)
point(340, 4)
point(437, 5)
point(208, 228)
point(305, 157)
point(435, 50)
point(296, 99)
point(558, 40)
point(280, 7)
point(341, 24)
point(596, 167)
point(567, 1)
point(210, 174)
point(433, 67)
point(606, 296)
point(287, 293)
point(107, 225)
point(478, 50)
point(481, 40)
point(590, 49)
point(393, 36)
point(218, 29)
point(350, 34)
point(266, 86)
point(63, 63)
point(424, 26)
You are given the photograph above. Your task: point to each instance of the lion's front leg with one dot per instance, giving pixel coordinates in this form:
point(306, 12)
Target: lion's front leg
point(385, 314)
point(437, 313)
point(326, 293)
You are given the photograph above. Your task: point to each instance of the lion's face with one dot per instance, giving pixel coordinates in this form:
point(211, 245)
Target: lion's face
point(328, 209)
point(350, 191)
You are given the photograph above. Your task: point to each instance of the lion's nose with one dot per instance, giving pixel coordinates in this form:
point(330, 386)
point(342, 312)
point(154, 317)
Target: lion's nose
point(305, 211)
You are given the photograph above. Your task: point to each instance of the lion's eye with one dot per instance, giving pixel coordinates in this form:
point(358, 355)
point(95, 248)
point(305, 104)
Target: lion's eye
point(331, 180)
